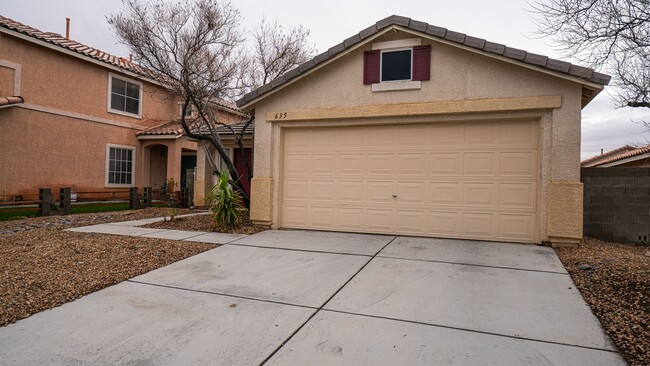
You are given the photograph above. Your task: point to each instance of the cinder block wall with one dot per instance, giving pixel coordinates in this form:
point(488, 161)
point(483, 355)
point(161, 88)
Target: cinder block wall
point(617, 203)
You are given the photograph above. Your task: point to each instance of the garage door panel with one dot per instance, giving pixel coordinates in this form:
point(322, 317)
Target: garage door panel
point(517, 195)
point(518, 164)
point(480, 164)
point(380, 191)
point(445, 164)
point(445, 135)
point(380, 136)
point(295, 216)
point(322, 190)
point(295, 189)
point(381, 164)
point(519, 134)
point(411, 222)
point(412, 163)
point(350, 191)
point(351, 218)
point(452, 179)
point(409, 137)
point(381, 220)
point(351, 164)
point(445, 224)
point(479, 225)
point(322, 164)
point(516, 227)
point(480, 194)
point(481, 134)
point(445, 193)
point(411, 193)
point(296, 164)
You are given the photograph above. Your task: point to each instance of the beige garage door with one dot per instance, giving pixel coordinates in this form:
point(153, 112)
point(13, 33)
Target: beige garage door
point(458, 180)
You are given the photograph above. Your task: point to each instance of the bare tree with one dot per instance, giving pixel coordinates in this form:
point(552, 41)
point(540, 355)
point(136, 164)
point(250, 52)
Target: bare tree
point(196, 49)
point(278, 50)
point(614, 35)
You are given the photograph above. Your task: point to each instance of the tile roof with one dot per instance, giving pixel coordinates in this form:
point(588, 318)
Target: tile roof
point(176, 129)
point(88, 51)
point(71, 45)
point(540, 61)
point(621, 153)
point(9, 101)
point(595, 160)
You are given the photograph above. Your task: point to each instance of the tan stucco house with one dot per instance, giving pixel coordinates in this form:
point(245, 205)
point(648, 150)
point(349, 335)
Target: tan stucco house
point(414, 129)
point(72, 115)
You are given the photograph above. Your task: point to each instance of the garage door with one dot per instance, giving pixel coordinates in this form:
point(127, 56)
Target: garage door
point(458, 180)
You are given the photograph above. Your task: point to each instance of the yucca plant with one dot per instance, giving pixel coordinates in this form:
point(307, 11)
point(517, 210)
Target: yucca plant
point(225, 203)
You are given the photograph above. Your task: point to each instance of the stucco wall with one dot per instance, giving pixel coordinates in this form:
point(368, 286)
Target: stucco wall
point(456, 74)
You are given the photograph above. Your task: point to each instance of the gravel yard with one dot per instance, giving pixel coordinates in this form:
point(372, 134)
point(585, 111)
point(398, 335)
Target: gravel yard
point(43, 266)
point(205, 223)
point(614, 279)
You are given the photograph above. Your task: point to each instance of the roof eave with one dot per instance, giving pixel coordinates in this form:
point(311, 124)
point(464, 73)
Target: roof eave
point(358, 41)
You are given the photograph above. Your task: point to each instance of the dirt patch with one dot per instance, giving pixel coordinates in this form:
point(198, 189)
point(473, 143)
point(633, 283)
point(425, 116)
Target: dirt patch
point(614, 279)
point(68, 221)
point(43, 266)
point(206, 223)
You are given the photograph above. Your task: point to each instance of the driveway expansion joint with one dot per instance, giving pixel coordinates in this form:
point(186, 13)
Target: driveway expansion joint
point(219, 294)
point(469, 330)
point(296, 249)
point(325, 303)
point(474, 265)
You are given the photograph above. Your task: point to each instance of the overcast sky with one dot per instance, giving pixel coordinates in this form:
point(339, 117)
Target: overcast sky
point(331, 21)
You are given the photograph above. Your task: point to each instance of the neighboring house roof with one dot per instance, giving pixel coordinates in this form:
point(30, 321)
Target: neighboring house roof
point(581, 73)
point(174, 128)
point(11, 101)
point(596, 160)
point(90, 52)
point(621, 155)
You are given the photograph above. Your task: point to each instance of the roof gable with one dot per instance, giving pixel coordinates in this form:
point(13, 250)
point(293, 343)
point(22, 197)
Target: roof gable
point(542, 63)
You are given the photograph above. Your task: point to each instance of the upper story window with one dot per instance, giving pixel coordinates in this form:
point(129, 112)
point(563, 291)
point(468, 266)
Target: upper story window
point(125, 96)
point(397, 65)
point(189, 113)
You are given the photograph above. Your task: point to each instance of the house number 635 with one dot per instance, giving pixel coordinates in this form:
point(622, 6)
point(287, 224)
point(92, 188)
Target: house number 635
point(281, 115)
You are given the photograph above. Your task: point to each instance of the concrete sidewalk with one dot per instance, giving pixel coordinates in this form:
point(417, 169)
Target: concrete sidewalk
point(316, 298)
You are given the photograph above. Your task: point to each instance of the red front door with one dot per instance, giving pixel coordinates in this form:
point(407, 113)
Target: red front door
point(241, 167)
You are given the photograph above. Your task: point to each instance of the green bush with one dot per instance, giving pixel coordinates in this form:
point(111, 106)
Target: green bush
point(225, 203)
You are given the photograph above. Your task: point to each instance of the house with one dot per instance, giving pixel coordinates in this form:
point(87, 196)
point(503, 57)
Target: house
point(408, 128)
point(72, 115)
point(624, 157)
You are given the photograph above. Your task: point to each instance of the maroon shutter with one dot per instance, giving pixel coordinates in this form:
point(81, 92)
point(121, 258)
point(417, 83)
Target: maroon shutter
point(421, 62)
point(371, 67)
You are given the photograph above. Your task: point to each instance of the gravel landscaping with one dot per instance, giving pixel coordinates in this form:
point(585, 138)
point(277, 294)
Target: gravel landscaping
point(43, 266)
point(205, 223)
point(614, 279)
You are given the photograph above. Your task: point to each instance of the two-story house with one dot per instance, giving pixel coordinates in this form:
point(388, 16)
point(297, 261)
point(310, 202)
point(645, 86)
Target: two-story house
point(72, 115)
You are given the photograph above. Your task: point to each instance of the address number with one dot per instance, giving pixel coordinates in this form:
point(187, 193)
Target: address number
point(281, 115)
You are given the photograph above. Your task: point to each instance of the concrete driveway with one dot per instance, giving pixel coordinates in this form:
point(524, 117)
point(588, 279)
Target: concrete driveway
point(317, 298)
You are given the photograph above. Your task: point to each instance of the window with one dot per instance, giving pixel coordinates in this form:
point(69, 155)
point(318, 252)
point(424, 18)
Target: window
point(189, 113)
point(396, 65)
point(124, 96)
point(119, 165)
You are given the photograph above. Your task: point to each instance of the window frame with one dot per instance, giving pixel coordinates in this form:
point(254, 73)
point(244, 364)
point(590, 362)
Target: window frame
point(381, 64)
point(112, 76)
point(107, 183)
point(180, 110)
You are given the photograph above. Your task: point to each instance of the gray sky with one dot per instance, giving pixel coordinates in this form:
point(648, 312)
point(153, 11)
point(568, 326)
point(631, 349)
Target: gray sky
point(331, 21)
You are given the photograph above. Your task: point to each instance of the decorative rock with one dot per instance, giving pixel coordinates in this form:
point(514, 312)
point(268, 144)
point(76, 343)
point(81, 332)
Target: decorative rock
point(584, 267)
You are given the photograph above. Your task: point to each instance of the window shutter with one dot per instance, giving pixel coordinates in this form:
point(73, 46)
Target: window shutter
point(421, 62)
point(371, 67)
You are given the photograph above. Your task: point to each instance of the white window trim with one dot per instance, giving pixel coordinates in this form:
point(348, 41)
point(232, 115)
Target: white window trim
point(108, 100)
point(180, 110)
point(108, 156)
point(400, 43)
point(397, 45)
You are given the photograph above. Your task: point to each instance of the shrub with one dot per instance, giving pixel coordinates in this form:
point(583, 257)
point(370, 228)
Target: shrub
point(225, 203)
